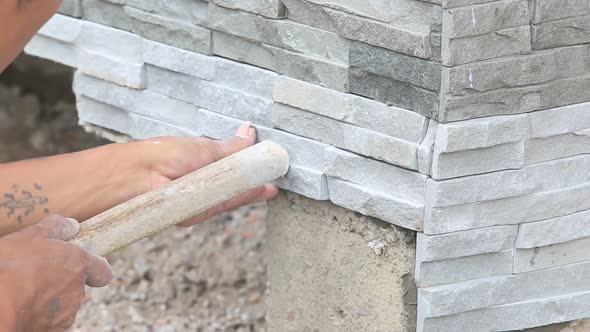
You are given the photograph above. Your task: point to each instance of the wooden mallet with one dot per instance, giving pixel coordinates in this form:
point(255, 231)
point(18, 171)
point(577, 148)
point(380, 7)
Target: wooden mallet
point(183, 198)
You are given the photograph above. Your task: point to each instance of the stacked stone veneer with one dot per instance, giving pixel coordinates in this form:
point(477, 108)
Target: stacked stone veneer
point(465, 120)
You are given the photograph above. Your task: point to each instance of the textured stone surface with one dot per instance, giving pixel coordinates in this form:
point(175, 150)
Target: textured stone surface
point(397, 66)
point(462, 3)
point(516, 100)
point(452, 299)
point(426, 149)
point(397, 211)
point(210, 96)
point(91, 39)
point(481, 133)
point(393, 92)
point(435, 45)
point(508, 211)
point(559, 121)
point(269, 8)
point(465, 243)
point(345, 136)
point(152, 26)
point(485, 18)
point(555, 147)
point(79, 45)
point(53, 50)
point(111, 69)
point(551, 231)
point(346, 285)
point(539, 177)
point(62, 28)
point(554, 255)
point(110, 117)
point(302, 151)
point(536, 68)
point(495, 158)
point(141, 102)
point(554, 10)
point(515, 316)
point(304, 181)
point(569, 31)
point(375, 175)
point(179, 60)
point(399, 12)
point(363, 112)
point(285, 34)
point(296, 65)
point(413, 42)
point(463, 268)
point(190, 11)
point(510, 41)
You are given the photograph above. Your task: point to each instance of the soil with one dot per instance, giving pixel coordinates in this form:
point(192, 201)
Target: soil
point(211, 277)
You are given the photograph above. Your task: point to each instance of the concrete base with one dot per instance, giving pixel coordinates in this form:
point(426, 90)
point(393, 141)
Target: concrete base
point(330, 269)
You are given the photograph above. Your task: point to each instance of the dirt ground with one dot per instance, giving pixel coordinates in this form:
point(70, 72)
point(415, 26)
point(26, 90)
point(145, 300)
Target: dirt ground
point(208, 278)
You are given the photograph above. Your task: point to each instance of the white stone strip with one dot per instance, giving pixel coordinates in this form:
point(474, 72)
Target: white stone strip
point(454, 270)
point(507, 211)
point(363, 112)
point(514, 316)
point(476, 294)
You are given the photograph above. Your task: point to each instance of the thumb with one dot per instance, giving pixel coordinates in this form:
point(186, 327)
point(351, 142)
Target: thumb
point(58, 228)
point(244, 137)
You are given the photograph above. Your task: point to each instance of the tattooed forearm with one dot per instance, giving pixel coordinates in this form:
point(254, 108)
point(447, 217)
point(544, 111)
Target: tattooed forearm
point(21, 202)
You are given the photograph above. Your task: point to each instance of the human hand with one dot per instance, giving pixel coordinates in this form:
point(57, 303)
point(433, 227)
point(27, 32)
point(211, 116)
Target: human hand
point(165, 159)
point(42, 277)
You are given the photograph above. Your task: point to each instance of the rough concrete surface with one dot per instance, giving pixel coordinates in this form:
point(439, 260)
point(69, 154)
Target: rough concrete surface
point(331, 269)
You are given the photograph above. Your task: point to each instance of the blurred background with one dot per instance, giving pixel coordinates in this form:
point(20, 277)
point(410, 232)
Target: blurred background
point(208, 278)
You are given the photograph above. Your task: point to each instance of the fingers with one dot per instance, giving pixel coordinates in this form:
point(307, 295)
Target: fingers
point(245, 136)
point(266, 192)
point(57, 227)
point(60, 228)
point(99, 271)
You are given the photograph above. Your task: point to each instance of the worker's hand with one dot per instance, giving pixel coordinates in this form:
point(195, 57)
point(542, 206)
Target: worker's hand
point(168, 158)
point(42, 277)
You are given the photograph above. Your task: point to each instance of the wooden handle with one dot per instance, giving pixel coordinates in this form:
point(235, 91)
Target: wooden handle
point(183, 198)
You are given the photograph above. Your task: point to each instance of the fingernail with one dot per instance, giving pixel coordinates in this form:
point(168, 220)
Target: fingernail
point(244, 130)
point(73, 227)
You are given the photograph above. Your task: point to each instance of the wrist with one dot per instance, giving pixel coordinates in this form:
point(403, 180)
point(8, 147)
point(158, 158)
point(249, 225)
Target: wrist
point(127, 174)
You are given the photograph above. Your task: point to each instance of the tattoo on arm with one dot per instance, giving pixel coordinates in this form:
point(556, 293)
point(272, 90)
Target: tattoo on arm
point(21, 202)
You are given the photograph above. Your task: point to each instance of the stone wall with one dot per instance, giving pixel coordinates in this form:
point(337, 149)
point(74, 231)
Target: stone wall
point(467, 121)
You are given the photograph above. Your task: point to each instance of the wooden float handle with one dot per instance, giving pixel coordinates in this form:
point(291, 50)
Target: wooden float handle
point(183, 198)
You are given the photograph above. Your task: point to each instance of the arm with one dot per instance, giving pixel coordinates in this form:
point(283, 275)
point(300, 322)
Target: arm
point(19, 21)
point(83, 184)
point(79, 185)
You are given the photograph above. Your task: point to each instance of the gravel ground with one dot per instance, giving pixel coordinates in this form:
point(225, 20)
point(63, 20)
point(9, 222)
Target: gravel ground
point(208, 278)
